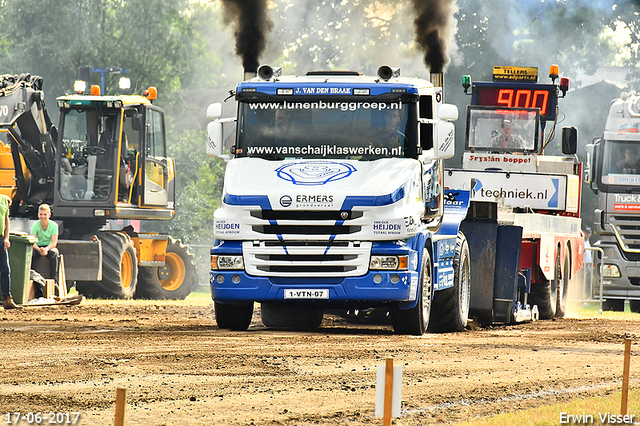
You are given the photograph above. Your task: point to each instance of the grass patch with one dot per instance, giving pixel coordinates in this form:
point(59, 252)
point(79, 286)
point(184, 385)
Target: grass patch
point(591, 310)
point(551, 414)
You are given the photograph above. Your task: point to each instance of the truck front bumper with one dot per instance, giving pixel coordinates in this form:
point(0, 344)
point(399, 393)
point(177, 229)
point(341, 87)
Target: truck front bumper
point(379, 286)
point(627, 286)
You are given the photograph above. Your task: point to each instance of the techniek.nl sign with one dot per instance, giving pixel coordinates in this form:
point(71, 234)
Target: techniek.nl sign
point(545, 192)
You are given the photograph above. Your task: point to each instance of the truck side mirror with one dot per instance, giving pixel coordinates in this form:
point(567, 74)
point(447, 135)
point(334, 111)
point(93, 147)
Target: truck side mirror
point(214, 139)
point(446, 143)
point(569, 140)
point(214, 111)
point(448, 112)
point(587, 177)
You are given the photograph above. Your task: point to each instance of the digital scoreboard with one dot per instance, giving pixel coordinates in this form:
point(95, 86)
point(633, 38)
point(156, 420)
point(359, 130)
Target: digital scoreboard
point(517, 95)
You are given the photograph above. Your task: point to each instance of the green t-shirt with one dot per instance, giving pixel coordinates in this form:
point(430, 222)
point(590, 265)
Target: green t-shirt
point(4, 211)
point(44, 237)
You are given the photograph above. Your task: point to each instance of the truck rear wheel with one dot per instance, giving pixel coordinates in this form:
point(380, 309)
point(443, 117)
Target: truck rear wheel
point(563, 286)
point(451, 306)
point(175, 280)
point(119, 269)
point(233, 316)
point(415, 321)
point(290, 317)
point(545, 294)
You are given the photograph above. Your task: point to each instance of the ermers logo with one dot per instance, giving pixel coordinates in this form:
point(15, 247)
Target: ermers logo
point(303, 200)
point(285, 201)
point(314, 198)
point(314, 172)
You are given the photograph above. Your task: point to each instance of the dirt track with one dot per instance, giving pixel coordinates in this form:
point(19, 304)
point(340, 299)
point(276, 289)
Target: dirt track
point(180, 369)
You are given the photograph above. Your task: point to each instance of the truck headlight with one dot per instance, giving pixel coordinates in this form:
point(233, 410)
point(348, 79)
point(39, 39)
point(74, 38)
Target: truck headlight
point(219, 261)
point(392, 263)
point(611, 271)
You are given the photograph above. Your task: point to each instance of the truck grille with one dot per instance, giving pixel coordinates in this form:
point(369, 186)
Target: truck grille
point(306, 229)
point(627, 230)
point(306, 258)
point(297, 222)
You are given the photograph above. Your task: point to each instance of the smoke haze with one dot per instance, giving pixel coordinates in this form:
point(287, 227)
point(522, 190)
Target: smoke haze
point(252, 26)
point(435, 28)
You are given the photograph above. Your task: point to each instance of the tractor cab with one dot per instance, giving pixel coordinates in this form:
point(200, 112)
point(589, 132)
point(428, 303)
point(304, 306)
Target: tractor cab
point(112, 158)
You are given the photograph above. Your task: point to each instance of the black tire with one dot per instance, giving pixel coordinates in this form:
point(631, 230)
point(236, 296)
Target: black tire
point(545, 295)
point(174, 281)
point(415, 321)
point(290, 317)
point(450, 310)
point(119, 269)
point(563, 286)
point(616, 305)
point(634, 306)
point(233, 316)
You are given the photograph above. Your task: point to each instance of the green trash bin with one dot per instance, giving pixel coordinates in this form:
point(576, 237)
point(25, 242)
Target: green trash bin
point(20, 254)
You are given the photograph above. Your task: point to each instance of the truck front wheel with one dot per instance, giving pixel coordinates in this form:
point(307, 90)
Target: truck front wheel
point(415, 321)
point(451, 306)
point(233, 316)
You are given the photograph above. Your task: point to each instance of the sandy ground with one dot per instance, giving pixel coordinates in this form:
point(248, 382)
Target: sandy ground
point(180, 369)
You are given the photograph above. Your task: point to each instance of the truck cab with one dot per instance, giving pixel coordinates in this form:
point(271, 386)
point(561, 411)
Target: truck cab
point(332, 198)
point(505, 163)
point(613, 173)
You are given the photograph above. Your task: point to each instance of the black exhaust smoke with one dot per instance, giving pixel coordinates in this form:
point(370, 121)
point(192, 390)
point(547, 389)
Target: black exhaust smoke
point(435, 27)
point(251, 28)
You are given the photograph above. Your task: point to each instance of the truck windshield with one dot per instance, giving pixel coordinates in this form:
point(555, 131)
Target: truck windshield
point(326, 129)
point(502, 130)
point(620, 163)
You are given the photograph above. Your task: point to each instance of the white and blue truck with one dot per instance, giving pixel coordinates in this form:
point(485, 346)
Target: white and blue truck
point(334, 199)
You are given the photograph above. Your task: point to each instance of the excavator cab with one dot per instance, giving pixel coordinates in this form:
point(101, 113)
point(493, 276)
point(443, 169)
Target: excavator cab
point(112, 159)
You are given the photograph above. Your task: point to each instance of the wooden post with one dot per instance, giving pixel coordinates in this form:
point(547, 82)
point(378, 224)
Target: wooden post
point(388, 392)
point(625, 376)
point(121, 398)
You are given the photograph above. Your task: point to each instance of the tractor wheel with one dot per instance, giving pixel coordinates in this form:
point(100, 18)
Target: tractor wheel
point(450, 310)
point(175, 280)
point(415, 321)
point(233, 316)
point(119, 269)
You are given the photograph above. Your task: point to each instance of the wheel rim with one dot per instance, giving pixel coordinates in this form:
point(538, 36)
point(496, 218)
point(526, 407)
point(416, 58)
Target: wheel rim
point(126, 269)
point(172, 274)
point(556, 284)
point(465, 287)
point(426, 293)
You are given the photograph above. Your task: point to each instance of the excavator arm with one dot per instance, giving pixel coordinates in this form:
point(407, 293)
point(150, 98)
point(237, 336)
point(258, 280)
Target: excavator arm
point(31, 135)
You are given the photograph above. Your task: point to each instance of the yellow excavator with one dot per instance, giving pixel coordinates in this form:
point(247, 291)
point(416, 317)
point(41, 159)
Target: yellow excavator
point(106, 163)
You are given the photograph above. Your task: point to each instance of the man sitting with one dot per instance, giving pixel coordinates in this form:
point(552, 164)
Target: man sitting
point(46, 231)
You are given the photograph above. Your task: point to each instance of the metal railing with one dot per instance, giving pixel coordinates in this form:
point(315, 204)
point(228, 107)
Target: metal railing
point(588, 287)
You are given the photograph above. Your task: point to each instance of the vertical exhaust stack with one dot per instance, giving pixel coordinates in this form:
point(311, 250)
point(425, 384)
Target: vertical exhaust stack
point(248, 75)
point(437, 79)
